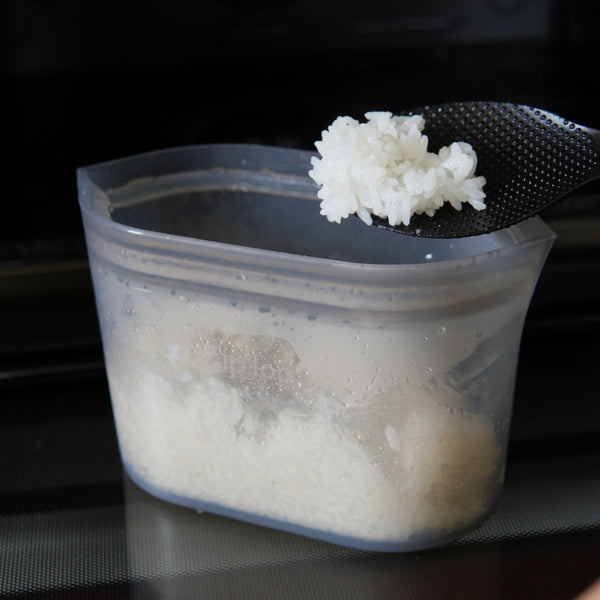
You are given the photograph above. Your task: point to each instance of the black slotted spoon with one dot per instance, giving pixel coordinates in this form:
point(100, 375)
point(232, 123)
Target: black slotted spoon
point(530, 158)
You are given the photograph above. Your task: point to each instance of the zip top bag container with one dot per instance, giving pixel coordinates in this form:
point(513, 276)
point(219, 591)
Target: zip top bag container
point(336, 381)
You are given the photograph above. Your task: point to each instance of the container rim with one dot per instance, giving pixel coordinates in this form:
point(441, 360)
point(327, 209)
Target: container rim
point(529, 232)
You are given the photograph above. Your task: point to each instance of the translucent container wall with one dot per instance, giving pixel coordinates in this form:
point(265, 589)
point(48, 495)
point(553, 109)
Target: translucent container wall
point(337, 381)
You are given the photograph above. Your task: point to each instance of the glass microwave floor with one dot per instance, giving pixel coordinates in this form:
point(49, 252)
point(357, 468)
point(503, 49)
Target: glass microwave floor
point(114, 540)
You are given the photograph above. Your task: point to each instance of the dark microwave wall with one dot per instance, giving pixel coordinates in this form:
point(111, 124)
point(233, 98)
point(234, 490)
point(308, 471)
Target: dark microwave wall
point(85, 82)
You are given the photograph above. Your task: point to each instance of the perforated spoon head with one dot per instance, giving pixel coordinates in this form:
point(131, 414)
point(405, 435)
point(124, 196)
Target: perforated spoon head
point(530, 158)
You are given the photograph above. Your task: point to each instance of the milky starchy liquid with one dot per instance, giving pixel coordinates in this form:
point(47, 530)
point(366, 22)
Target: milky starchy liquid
point(350, 428)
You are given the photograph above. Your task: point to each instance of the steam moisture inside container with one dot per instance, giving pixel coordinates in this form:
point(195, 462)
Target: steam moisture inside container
point(261, 423)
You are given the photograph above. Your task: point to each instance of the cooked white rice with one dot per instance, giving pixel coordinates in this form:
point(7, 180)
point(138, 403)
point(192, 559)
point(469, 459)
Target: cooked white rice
point(382, 167)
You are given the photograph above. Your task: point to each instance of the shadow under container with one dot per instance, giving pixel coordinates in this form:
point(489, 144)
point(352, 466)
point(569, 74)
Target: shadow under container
point(332, 380)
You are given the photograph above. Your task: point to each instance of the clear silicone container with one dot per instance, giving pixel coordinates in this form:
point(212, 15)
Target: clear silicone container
point(337, 381)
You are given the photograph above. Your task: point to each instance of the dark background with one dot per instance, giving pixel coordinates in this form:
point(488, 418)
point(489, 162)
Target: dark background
point(84, 82)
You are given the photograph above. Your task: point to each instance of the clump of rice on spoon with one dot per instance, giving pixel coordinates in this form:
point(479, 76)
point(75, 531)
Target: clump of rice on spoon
point(383, 167)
